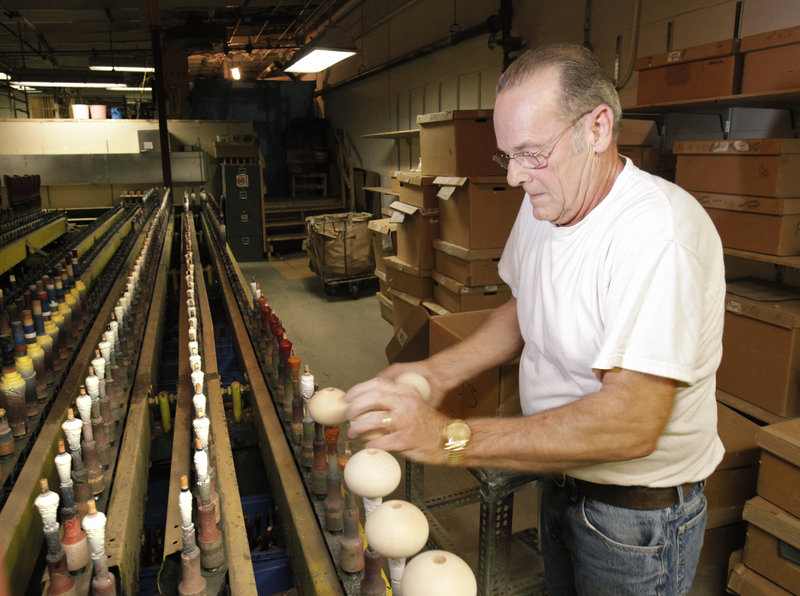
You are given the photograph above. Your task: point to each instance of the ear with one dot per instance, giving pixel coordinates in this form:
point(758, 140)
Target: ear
point(601, 128)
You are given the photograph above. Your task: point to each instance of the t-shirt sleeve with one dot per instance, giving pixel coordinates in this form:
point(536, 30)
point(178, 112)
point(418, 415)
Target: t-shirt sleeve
point(653, 311)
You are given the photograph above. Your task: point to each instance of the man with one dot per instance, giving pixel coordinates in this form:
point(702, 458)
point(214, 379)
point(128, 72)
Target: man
point(618, 301)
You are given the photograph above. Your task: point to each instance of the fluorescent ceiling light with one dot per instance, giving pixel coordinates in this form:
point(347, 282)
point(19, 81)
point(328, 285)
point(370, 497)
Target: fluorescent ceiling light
point(126, 88)
point(318, 60)
point(67, 84)
point(4, 76)
point(236, 73)
point(109, 68)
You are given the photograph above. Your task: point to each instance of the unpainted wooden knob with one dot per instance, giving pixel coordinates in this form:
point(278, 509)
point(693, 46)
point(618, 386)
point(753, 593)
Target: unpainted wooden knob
point(397, 529)
point(327, 406)
point(372, 473)
point(438, 573)
point(417, 381)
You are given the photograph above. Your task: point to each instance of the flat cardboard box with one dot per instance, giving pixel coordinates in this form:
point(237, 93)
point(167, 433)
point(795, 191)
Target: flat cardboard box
point(763, 554)
point(477, 212)
point(494, 392)
point(779, 473)
point(734, 480)
point(385, 304)
point(716, 49)
point(748, 204)
point(384, 240)
point(410, 340)
point(781, 527)
point(702, 79)
point(416, 189)
point(408, 279)
point(771, 60)
point(458, 143)
point(469, 266)
point(760, 167)
point(644, 158)
point(746, 582)
point(768, 234)
point(761, 346)
point(416, 230)
point(456, 297)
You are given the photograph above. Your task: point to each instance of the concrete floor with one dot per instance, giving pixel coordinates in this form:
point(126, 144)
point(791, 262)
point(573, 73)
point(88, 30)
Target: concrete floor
point(343, 340)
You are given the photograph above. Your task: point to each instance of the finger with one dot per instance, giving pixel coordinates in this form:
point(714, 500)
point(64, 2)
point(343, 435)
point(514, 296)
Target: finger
point(373, 422)
point(360, 389)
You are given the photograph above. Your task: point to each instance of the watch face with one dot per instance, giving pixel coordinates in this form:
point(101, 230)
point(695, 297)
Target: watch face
point(457, 430)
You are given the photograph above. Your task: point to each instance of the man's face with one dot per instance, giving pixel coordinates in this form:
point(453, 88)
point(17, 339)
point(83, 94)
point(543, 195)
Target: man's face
point(526, 119)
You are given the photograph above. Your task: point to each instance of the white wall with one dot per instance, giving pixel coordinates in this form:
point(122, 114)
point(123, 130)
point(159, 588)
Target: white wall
point(24, 136)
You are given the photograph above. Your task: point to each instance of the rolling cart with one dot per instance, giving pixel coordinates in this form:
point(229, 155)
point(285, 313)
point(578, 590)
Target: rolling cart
point(339, 248)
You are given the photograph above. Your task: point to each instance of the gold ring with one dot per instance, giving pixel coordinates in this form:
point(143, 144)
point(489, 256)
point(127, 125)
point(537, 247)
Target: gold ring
point(387, 421)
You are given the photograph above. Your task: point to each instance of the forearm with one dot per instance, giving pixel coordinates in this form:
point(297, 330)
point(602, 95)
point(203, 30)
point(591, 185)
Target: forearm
point(611, 425)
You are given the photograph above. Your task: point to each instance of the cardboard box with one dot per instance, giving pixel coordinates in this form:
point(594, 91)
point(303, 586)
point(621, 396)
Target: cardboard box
point(746, 582)
point(761, 347)
point(763, 554)
point(768, 234)
point(748, 204)
point(760, 167)
point(704, 71)
point(383, 281)
point(477, 212)
point(720, 542)
point(408, 279)
point(769, 527)
point(456, 297)
point(402, 305)
point(395, 183)
point(385, 304)
point(416, 230)
point(494, 392)
point(779, 474)
point(384, 240)
point(416, 189)
point(458, 143)
point(411, 337)
point(644, 158)
point(471, 267)
point(734, 480)
point(771, 60)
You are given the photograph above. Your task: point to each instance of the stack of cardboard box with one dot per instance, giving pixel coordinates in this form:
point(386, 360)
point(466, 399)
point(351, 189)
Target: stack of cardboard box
point(384, 244)
point(476, 207)
point(771, 561)
point(750, 187)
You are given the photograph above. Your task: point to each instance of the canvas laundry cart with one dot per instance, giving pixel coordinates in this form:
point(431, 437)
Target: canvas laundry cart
point(339, 248)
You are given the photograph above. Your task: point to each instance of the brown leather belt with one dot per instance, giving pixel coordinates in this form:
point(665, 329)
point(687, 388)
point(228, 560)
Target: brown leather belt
point(633, 497)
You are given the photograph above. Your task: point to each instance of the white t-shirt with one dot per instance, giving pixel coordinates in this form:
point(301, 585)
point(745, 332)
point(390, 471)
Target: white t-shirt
point(637, 284)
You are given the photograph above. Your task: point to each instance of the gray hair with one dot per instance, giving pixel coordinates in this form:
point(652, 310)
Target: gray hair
point(584, 85)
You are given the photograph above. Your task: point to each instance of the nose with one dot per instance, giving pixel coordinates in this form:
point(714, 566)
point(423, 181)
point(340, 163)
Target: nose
point(518, 174)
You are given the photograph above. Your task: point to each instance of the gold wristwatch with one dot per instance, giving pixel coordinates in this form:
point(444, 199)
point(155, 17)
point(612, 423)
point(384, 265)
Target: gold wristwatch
point(456, 436)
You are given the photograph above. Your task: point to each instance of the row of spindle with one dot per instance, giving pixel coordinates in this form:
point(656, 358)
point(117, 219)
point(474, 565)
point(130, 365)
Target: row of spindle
point(76, 546)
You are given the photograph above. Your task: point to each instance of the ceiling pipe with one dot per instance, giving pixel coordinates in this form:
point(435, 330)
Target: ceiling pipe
point(451, 40)
point(634, 47)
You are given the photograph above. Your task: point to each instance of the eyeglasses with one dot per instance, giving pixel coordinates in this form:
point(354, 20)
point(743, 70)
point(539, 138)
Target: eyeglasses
point(538, 159)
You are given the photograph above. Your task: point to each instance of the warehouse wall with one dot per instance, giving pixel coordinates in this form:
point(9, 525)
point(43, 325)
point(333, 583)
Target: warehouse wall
point(70, 137)
point(463, 76)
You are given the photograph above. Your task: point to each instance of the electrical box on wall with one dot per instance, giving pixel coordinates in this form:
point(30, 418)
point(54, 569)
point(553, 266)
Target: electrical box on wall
point(150, 140)
point(241, 187)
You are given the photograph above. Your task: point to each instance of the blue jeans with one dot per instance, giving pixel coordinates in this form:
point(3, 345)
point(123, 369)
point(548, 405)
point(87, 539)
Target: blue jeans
point(591, 547)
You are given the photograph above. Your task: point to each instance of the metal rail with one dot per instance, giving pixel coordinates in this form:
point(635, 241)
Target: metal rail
point(312, 565)
point(126, 507)
point(21, 540)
